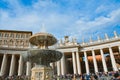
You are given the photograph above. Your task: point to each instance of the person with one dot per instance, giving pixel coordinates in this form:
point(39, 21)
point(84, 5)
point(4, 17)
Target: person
point(87, 77)
point(116, 76)
point(92, 77)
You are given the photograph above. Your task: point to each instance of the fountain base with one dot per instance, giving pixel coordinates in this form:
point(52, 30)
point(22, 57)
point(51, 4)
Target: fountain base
point(41, 73)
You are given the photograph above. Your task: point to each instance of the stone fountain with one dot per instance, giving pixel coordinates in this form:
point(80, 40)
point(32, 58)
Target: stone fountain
point(42, 56)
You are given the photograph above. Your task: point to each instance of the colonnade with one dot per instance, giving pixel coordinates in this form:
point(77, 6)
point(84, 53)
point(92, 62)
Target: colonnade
point(61, 65)
point(20, 71)
point(77, 64)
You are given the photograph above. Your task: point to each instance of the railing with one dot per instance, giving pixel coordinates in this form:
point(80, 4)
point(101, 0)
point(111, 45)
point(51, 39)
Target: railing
point(100, 41)
point(89, 43)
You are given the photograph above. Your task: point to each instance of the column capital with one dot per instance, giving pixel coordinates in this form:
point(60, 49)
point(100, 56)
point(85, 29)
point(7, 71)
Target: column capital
point(119, 46)
point(109, 46)
point(73, 51)
point(77, 51)
point(62, 55)
point(62, 51)
point(5, 54)
point(101, 48)
point(85, 51)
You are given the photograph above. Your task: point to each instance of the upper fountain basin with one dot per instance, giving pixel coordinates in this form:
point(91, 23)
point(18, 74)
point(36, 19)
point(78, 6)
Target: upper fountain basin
point(42, 39)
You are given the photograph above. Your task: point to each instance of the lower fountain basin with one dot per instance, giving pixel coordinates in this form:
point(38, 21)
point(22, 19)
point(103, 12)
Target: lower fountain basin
point(43, 56)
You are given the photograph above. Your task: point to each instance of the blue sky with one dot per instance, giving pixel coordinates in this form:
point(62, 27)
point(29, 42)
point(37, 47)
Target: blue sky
point(75, 18)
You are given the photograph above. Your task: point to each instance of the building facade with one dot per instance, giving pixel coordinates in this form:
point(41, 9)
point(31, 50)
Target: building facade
point(78, 58)
point(12, 45)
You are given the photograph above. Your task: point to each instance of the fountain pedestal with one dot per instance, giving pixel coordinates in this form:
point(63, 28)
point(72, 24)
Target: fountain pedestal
point(42, 73)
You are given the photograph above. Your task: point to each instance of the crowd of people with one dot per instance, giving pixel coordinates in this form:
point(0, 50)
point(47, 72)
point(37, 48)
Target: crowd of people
point(92, 76)
point(23, 77)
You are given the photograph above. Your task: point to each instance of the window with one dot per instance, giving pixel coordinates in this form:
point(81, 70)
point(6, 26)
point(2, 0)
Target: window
point(27, 35)
point(1, 34)
point(0, 41)
point(17, 35)
point(22, 36)
point(6, 35)
point(5, 41)
point(12, 35)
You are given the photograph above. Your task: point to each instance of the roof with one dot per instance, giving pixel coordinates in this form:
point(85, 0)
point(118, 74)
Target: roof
point(15, 31)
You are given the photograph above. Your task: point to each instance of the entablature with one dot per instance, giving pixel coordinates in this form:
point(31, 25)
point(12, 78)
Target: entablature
point(68, 49)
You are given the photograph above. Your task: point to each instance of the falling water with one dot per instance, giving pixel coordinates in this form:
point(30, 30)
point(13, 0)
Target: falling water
point(43, 28)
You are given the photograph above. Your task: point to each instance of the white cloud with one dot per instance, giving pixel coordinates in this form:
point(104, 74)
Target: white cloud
point(31, 18)
point(26, 19)
point(86, 28)
point(43, 4)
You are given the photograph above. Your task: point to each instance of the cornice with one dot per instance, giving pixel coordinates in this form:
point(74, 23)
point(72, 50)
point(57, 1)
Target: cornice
point(15, 49)
point(67, 46)
point(16, 31)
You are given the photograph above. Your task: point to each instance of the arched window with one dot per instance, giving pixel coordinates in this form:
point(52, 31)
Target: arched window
point(11, 42)
point(5, 42)
point(21, 43)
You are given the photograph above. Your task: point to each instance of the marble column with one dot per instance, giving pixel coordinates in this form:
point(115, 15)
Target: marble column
point(63, 65)
point(86, 63)
point(52, 65)
point(94, 61)
point(119, 49)
point(3, 65)
point(58, 68)
point(74, 63)
point(12, 65)
point(103, 61)
point(28, 70)
point(78, 63)
point(113, 59)
point(20, 66)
